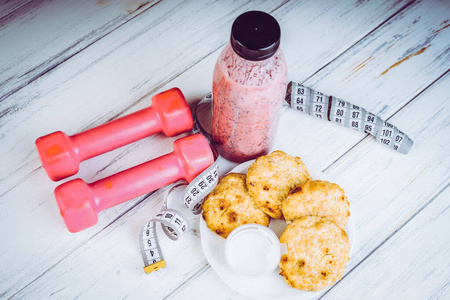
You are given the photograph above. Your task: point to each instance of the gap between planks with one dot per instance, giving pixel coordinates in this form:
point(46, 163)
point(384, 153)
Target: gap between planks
point(14, 9)
point(202, 270)
point(417, 212)
point(358, 41)
point(194, 276)
point(145, 197)
point(207, 266)
point(152, 91)
point(63, 60)
point(163, 83)
point(368, 136)
point(411, 217)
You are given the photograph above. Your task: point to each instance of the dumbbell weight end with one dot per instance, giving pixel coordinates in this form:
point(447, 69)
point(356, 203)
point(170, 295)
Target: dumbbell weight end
point(80, 202)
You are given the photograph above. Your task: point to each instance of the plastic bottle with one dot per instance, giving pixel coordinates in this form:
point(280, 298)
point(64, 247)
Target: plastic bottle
point(249, 85)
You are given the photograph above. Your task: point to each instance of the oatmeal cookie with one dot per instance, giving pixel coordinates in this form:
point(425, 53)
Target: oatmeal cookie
point(271, 177)
point(318, 252)
point(317, 198)
point(230, 205)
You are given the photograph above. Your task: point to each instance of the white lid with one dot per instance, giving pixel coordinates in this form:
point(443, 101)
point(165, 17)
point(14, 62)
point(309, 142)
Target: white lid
point(252, 250)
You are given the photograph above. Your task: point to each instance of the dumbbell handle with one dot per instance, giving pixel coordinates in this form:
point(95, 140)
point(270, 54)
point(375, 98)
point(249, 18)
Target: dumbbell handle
point(61, 154)
point(117, 133)
point(136, 181)
point(80, 203)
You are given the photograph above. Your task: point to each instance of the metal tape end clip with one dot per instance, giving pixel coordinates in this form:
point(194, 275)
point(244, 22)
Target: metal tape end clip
point(154, 267)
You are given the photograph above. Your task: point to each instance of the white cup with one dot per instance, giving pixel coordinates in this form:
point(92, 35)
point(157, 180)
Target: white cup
point(253, 250)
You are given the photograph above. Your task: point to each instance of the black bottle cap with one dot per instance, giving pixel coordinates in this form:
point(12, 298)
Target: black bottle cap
point(255, 35)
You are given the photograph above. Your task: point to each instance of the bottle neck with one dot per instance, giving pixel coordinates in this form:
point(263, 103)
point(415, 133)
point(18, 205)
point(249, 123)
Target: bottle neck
point(251, 73)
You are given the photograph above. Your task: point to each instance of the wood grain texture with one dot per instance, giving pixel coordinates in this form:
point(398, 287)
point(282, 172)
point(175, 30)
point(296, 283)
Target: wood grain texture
point(413, 264)
point(122, 70)
point(48, 205)
point(390, 189)
point(441, 128)
point(406, 183)
point(118, 73)
point(355, 76)
point(72, 93)
point(9, 6)
point(42, 34)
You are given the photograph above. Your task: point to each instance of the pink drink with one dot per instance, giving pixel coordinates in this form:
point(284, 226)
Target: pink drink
point(247, 97)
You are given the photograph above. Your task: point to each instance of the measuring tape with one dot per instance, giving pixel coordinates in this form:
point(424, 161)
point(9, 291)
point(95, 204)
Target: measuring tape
point(172, 221)
point(301, 98)
point(309, 101)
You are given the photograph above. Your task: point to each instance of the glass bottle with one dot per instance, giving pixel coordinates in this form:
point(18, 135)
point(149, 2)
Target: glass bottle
point(249, 86)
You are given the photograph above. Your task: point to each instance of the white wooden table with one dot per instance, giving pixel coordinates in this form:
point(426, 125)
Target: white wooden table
point(71, 65)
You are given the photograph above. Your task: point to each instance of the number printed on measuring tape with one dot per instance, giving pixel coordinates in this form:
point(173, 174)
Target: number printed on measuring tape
point(300, 103)
point(354, 115)
point(300, 98)
point(319, 97)
point(319, 105)
point(400, 137)
point(370, 125)
point(339, 111)
point(200, 187)
point(386, 135)
point(315, 103)
point(173, 222)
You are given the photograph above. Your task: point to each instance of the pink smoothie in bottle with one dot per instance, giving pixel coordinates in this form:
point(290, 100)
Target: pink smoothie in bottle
point(249, 85)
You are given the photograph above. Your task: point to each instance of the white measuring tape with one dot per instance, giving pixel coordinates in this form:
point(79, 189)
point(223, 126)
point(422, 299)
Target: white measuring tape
point(298, 97)
point(173, 222)
point(309, 101)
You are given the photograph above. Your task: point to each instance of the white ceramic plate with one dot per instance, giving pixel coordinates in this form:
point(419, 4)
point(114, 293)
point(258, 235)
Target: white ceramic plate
point(271, 286)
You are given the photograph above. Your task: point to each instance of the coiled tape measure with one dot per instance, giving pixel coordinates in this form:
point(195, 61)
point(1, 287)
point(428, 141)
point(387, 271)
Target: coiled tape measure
point(303, 99)
point(173, 222)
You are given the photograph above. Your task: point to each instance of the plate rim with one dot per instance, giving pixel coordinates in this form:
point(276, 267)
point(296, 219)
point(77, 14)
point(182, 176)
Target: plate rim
point(295, 293)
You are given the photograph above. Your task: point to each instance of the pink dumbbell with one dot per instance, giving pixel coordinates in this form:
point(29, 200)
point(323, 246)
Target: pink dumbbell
point(79, 202)
point(61, 154)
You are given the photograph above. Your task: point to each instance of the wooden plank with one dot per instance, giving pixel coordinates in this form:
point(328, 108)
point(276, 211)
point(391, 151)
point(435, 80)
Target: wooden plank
point(370, 178)
point(358, 76)
point(445, 109)
point(32, 45)
point(38, 184)
point(413, 264)
point(9, 6)
point(407, 182)
point(74, 101)
point(79, 102)
point(141, 286)
point(217, 289)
